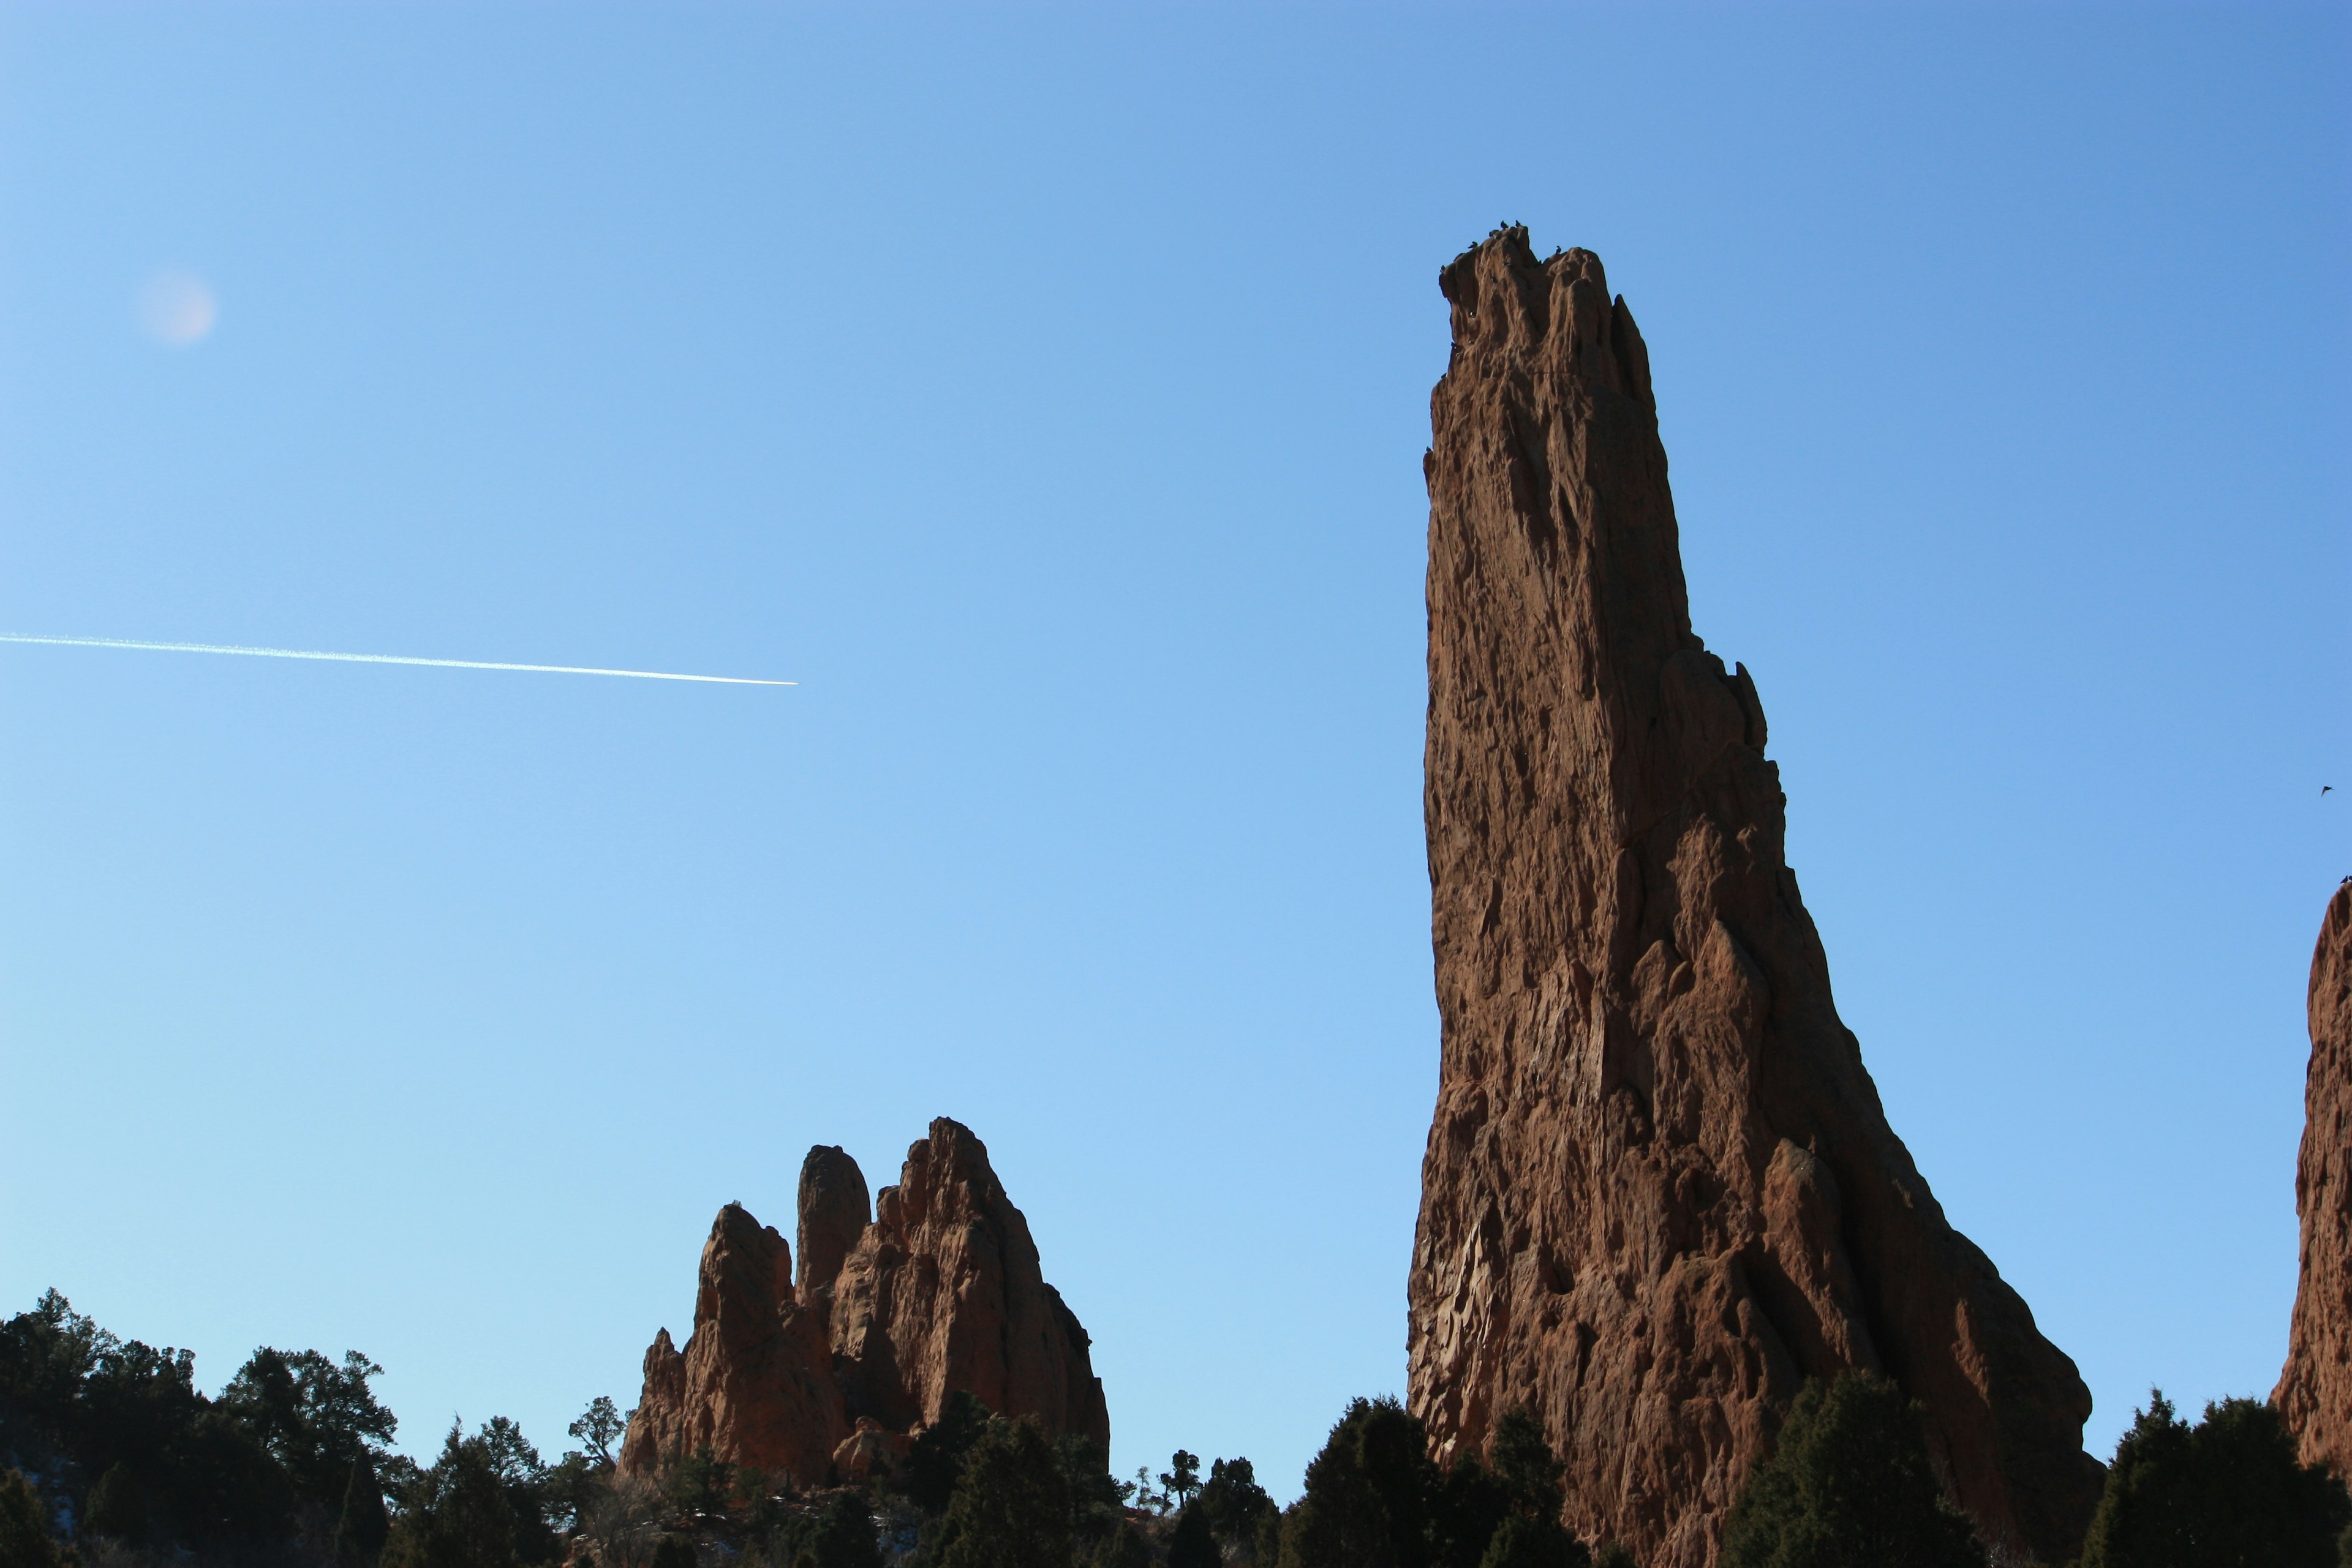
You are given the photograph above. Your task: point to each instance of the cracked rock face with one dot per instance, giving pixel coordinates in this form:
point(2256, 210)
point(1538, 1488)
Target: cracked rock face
point(1659, 1190)
point(2315, 1392)
point(938, 1290)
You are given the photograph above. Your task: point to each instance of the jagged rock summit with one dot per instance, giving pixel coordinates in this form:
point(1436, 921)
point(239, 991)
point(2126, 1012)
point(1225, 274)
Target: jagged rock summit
point(937, 1290)
point(2315, 1392)
point(1659, 1191)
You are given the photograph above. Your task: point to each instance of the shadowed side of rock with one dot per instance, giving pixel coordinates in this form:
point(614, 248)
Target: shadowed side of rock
point(1659, 1190)
point(754, 1384)
point(942, 1291)
point(2315, 1392)
point(945, 1291)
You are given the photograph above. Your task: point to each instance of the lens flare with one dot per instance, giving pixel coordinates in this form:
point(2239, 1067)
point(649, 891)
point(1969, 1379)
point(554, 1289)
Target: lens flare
point(177, 309)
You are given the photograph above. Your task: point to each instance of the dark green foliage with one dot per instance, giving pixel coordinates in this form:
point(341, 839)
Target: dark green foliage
point(25, 1538)
point(236, 1473)
point(701, 1483)
point(599, 1427)
point(364, 1526)
point(457, 1515)
point(843, 1536)
point(1123, 1547)
point(1233, 1503)
point(313, 1416)
point(2227, 1493)
point(1469, 1504)
point(1504, 1513)
point(936, 1462)
point(1183, 1476)
point(1269, 1541)
point(1011, 1509)
point(1367, 1496)
point(482, 1505)
point(674, 1551)
point(1193, 1545)
point(117, 1509)
point(1533, 1544)
point(1095, 1499)
point(1616, 1554)
point(1525, 1464)
point(1849, 1484)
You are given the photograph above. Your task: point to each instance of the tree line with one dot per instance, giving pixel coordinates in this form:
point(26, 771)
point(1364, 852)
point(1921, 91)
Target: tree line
point(111, 1458)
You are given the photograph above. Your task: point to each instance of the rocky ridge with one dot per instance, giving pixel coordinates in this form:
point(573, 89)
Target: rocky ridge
point(2315, 1392)
point(1659, 1190)
point(937, 1288)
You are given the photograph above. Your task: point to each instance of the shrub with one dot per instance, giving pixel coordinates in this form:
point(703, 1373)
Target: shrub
point(2227, 1493)
point(1849, 1483)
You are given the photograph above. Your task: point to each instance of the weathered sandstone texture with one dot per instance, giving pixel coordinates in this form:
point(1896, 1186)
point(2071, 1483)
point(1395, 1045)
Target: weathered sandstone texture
point(1659, 1191)
point(2315, 1393)
point(939, 1290)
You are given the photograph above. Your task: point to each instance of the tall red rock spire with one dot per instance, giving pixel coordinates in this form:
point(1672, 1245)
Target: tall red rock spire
point(1659, 1191)
point(2315, 1392)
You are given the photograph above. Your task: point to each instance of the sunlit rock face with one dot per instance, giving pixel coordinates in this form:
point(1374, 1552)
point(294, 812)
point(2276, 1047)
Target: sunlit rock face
point(1659, 1190)
point(938, 1290)
point(2315, 1393)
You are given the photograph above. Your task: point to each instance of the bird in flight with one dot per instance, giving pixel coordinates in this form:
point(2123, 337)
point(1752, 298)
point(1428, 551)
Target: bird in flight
point(2325, 788)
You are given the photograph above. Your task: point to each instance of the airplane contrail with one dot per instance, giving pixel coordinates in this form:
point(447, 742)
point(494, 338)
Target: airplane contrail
point(381, 658)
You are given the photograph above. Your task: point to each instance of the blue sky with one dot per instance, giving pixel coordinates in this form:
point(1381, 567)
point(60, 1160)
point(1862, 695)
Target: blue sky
point(1044, 388)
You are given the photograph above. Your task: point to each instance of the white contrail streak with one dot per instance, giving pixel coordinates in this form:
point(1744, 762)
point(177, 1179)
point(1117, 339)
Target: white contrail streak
point(381, 658)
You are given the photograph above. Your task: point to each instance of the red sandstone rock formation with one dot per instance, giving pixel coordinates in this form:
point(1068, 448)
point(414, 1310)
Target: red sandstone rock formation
point(2315, 1392)
point(1659, 1191)
point(942, 1292)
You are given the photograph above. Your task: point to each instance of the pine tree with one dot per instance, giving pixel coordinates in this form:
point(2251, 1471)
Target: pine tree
point(25, 1538)
point(1011, 1508)
point(1367, 1503)
point(117, 1509)
point(363, 1526)
point(2227, 1493)
point(1193, 1545)
point(1850, 1483)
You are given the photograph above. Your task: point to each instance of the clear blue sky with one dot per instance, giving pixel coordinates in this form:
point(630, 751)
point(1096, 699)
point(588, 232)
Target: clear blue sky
point(1045, 387)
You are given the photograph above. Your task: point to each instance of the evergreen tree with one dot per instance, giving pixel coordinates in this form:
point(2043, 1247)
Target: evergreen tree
point(25, 1538)
point(364, 1526)
point(1012, 1507)
point(674, 1551)
point(1183, 1476)
point(844, 1536)
point(117, 1509)
point(599, 1427)
point(1233, 1502)
point(1533, 1544)
point(936, 1462)
point(1124, 1548)
point(2227, 1493)
point(1367, 1502)
point(1849, 1484)
point(1193, 1545)
point(459, 1516)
